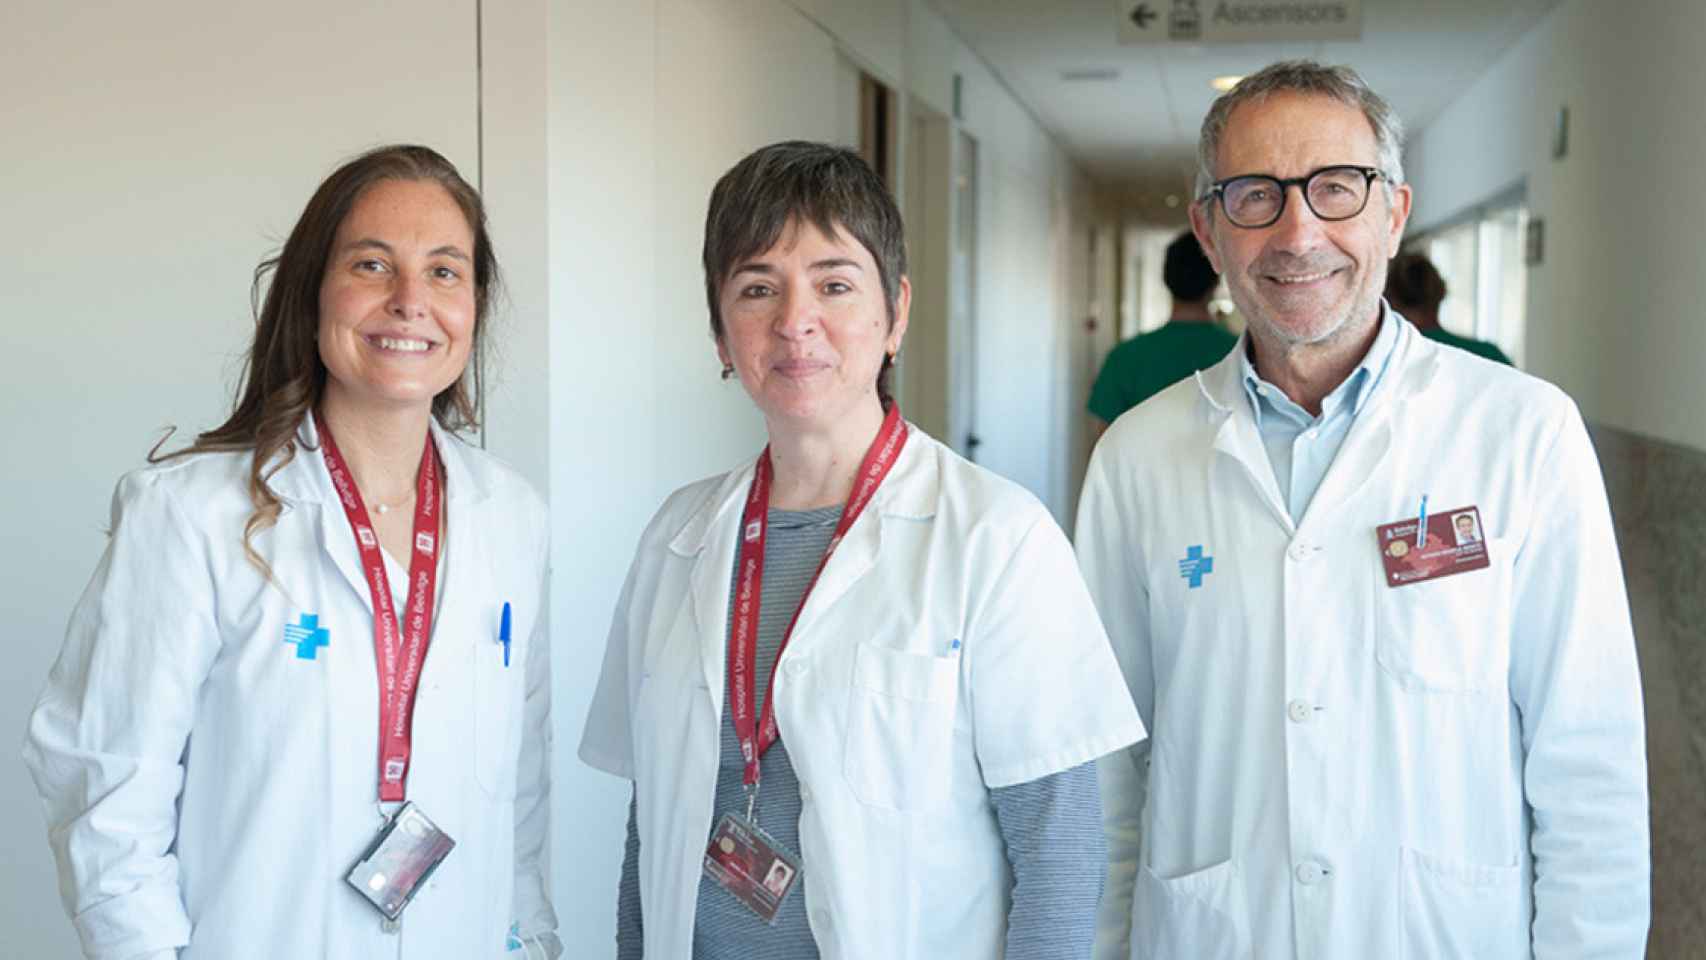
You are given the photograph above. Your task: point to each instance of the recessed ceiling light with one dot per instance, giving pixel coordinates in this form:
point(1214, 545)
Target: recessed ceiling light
point(1225, 83)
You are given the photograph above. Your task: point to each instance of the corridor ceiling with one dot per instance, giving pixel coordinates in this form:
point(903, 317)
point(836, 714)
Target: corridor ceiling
point(1129, 114)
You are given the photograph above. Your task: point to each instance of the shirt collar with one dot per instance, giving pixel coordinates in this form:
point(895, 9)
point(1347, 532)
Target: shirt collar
point(1354, 391)
point(912, 491)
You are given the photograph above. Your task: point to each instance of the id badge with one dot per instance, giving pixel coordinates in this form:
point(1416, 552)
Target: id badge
point(746, 862)
point(400, 859)
point(1453, 543)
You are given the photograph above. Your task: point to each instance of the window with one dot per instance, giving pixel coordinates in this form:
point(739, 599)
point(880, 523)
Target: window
point(1481, 258)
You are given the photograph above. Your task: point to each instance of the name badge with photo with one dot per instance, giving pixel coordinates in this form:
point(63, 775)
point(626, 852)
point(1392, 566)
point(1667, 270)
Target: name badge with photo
point(746, 862)
point(1454, 543)
point(399, 862)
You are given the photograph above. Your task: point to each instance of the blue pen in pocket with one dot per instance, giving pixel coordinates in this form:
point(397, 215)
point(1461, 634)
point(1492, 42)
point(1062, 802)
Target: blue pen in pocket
point(503, 633)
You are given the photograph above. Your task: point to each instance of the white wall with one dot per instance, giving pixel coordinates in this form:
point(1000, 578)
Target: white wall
point(875, 32)
point(601, 203)
point(152, 158)
point(1613, 309)
point(1035, 213)
point(648, 107)
point(514, 182)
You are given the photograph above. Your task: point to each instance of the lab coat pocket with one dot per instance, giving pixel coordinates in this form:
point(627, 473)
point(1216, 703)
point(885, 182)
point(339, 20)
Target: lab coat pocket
point(900, 727)
point(1459, 909)
point(1446, 635)
point(1197, 916)
point(498, 693)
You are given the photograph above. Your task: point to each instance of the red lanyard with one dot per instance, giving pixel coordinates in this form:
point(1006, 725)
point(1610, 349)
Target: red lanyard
point(755, 738)
point(399, 652)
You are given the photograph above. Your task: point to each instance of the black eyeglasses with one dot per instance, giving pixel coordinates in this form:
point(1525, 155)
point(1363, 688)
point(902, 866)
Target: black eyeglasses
point(1332, 193)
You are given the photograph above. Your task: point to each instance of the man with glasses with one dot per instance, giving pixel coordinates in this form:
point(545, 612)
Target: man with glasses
point(1368, 739)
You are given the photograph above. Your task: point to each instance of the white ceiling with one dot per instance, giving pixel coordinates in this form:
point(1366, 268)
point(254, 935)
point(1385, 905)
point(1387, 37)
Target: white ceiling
point(1136, 133)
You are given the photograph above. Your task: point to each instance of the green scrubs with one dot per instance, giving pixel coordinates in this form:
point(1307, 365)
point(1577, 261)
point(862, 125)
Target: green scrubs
point(1149, 363)
point(1480, 348)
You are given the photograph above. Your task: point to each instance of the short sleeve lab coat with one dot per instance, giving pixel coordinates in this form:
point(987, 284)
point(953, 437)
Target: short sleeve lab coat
point(1342, 769)
point(209, 778)
point(896, 731)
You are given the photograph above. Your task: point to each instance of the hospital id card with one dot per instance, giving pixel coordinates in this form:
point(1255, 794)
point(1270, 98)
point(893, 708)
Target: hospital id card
point(1454, 543)
point(399, 861)
point(746, 862)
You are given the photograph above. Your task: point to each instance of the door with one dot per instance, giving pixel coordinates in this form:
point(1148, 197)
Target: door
point(923, 371)
point(962, 301)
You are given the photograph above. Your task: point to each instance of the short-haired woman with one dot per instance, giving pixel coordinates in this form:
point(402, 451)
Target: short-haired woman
point(858, 683)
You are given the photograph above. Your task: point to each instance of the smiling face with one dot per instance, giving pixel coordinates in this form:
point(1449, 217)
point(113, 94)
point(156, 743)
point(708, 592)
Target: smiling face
point(397, 302)
point(1303, 280)
point(806, 327)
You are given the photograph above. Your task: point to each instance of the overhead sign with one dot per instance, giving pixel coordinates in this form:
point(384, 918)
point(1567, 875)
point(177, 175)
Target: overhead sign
point(1237, 21)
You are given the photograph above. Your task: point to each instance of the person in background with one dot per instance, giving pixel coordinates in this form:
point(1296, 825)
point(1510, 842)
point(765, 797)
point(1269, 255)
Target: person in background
point(1415, 289)
point(322, 620)
point(1189, 341)
point(1367, 740)
point(858, 666)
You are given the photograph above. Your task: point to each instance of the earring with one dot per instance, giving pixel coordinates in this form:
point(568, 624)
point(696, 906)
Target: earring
point(728, 371)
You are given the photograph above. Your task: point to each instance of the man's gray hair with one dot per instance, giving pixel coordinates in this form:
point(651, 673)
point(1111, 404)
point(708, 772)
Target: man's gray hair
point(1308, 77)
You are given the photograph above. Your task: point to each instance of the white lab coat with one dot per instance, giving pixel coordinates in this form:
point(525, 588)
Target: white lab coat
point(896, 735)
point(204, 785)
point(1339, 769)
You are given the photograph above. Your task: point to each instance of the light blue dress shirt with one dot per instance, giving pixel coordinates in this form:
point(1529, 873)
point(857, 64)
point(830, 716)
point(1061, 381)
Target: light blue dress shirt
point(1301, 447)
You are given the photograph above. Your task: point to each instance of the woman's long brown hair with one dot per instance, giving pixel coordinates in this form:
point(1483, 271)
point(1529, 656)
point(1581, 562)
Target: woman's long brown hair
point(283, 376)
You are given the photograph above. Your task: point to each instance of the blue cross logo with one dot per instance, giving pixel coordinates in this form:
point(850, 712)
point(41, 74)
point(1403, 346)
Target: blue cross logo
point(1195, 566)
point(308, 636)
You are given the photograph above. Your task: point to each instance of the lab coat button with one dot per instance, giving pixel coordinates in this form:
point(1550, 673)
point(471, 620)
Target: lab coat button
point(796, 667)
point(1298, 551)
point(1309, 872)
point(1299, 711)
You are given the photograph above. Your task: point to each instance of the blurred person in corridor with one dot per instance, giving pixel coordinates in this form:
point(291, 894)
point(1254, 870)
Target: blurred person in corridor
point(1415, 289)
point(1189, 341)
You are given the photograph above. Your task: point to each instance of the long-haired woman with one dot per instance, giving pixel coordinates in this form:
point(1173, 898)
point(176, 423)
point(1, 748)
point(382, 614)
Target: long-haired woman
point(301, 707)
